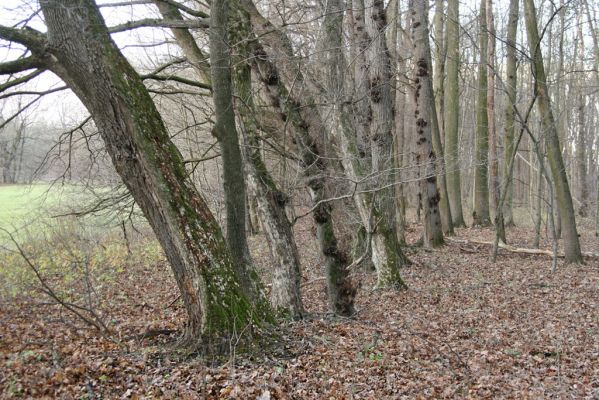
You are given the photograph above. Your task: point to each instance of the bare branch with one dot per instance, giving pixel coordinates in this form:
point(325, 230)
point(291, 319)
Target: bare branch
point(20, 65)
point(18, 81)
point(160, 23)
point(34, 40)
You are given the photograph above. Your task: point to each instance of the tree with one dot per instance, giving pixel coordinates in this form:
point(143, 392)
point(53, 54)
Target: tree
point(424, 115)
point(452, 113)
point(558, 172)
point(480, 215)
point(77, 47)
point(226, 132)
point(511, 83)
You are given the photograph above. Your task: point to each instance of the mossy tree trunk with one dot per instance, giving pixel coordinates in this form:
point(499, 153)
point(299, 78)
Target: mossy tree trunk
point(425, 121)
point(297, 108)
point(562, 188)
point(226, 132)
point(452, 113)
point(480, 214)
point(296, 97)
point(78, 48)
point(285, 293)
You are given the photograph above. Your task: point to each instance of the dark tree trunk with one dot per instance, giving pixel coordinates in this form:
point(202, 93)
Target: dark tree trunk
point(226, 133)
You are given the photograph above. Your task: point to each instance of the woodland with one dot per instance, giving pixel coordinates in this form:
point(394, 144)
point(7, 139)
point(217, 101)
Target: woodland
point(283, 199)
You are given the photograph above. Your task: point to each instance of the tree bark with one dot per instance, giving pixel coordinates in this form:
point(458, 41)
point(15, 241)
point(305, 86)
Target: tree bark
point(226, 132)
point(480, 215)
point(564, 198)
point(493, 157)
point(451, 114)
point(424, 116)
point(511, 84)
point(285, 293)
point(80, 51)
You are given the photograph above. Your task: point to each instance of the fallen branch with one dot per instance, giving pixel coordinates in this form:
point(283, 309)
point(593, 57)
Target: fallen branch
point(520, 250)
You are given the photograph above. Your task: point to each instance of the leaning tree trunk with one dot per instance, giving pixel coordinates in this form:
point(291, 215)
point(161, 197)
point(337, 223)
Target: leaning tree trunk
point(558, 171)
point(80, 51)
point(424, 115)
point(285, 293)
point(452, 113)
point(341, 291)
point(511, 83)
point(480, 215)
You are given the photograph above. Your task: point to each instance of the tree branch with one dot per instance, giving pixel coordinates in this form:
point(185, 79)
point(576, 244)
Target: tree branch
point(34, 40)
point(20, 65)
point(175, 78)
point(17, 81)
point(160, 23)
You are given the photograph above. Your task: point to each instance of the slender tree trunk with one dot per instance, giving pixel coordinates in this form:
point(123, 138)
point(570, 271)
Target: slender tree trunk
point(398, 68)
point(424, 115)
point(581, 156)
point(81, 52)
point(437, 120)
point(511, 84)
point(493, 158)
point(480, 214)
point(451, 114)
point(564, 198)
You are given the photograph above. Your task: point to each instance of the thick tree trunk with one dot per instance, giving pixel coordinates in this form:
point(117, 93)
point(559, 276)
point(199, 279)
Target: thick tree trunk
point(480, 215)
point(511, 82)
point(424, 116)
point(562, 188)
point(226, 132)
point(81, 52)
point(451, 114)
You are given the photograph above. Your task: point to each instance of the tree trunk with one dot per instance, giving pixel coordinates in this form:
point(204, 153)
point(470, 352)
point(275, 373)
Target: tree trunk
point(424, 116)
point(511, 83)
point(564, 198)
point(480, 214)
point(493, 156)
point(81, 52)
point(451, 114)
point(302, 116)
point(285, 293)
point(581, 156)
point(226, 132)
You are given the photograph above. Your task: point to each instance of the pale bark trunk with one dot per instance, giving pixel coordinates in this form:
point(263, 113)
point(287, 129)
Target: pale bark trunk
point(480, 214)
point(451, 114)
point(424, 116)
point(84, 56)
point(302, 116)
point(564, 198)
point(285, 296)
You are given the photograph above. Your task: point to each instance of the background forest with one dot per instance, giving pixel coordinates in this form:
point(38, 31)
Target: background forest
point(286, 199)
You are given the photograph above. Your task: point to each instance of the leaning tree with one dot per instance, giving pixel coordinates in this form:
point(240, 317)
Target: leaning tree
point(77, 47)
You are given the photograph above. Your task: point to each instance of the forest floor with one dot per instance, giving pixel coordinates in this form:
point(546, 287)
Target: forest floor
point(465, 328)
